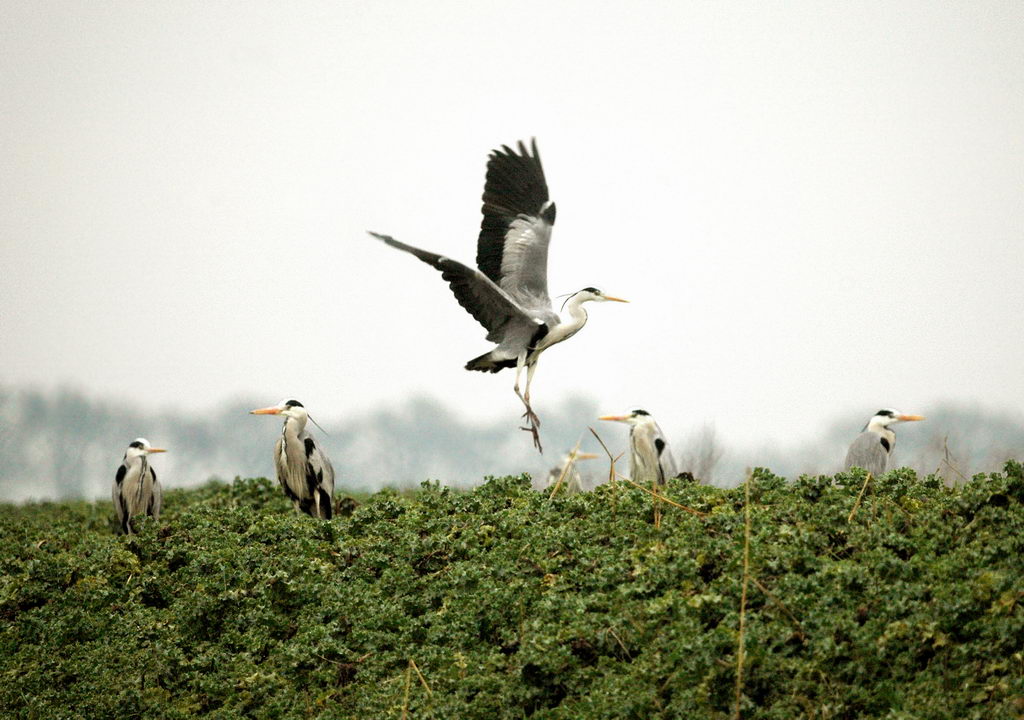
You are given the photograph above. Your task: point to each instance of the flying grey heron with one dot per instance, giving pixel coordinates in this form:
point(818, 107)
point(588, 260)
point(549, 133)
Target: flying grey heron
point(508, 291)
point(136, 490)
point(650, 460)
point(872, 448)
point(567, 470)
point(305, 473)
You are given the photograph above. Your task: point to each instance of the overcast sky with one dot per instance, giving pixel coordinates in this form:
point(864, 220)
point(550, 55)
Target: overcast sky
point(812, 206)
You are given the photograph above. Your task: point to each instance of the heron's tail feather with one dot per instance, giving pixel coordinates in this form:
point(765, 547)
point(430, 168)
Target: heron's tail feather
point(489, 363)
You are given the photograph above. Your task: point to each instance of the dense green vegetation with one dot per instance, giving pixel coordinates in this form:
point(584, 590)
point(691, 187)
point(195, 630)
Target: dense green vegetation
point(503, 603)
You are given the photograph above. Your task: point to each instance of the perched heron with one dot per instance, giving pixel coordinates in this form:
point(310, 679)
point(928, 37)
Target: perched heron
point(872, 448)
point(567, 470)
point(650, 461)
point(303, 469)
point(508, 292)
point(136, 490)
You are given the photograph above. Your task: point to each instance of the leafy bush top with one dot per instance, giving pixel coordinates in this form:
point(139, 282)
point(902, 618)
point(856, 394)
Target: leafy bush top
point(502, 603)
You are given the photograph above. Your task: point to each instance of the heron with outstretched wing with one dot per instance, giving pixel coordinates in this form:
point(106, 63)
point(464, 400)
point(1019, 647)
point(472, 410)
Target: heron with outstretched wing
point(507, 292)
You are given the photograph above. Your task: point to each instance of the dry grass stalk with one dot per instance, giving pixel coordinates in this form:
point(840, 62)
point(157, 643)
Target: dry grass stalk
point(611, 466)
point(856, 503)
point(657, 505)
point(568, 466)
point(946, 459)
point(662, 498)
point(619, 641)
point(405, 699)
point(762, 588)
point(430, 693)
point(741, 649)
point(408, 684)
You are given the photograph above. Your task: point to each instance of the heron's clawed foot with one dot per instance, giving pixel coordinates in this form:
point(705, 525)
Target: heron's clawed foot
point(531, 417)
point(533, 428)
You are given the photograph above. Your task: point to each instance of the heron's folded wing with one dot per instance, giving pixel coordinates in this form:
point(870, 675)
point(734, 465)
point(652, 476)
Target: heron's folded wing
point(486, 302)
point(667, 463)
point(119, 507)
point(156, 503)
point(319, 465)
point(867, 452)
point(512, 250)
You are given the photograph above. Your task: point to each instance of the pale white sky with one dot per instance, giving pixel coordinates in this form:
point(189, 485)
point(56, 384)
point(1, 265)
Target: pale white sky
point(813, 206)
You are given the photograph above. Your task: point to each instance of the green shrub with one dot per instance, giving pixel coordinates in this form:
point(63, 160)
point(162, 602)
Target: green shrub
point(513, 605)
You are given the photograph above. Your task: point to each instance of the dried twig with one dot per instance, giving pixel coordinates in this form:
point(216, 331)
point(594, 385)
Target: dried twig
point(856, 503)
point(762, 588)
point(613, 460)
point(423, 680)
point(949, 464)
point(405, 700)
point(619, 641)
point(690, 510)
point(741, 649)
point(568, 466)
point(657, 505)
point(611, 467)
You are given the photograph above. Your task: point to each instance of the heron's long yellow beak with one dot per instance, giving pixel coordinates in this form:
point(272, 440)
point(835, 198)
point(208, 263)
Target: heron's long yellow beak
point(907, 418)
point(615, 299)
point(153, 450)
point(266, 411)
point(587, 456)
point(616, 418)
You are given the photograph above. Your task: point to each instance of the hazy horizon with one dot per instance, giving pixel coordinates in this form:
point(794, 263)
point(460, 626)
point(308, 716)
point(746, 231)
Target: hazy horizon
point(63, 444)
point(814, 209)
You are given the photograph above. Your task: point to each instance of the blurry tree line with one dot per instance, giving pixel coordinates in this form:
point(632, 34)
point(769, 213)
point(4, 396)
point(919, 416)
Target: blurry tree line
point(63, 444)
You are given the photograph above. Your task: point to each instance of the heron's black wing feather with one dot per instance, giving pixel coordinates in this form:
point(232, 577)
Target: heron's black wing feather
point(119, 507)
point(512, 249)
point(485, 301)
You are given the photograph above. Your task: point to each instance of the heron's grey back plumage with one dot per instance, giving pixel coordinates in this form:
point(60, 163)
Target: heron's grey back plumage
point(868, 452)
point(512, 249)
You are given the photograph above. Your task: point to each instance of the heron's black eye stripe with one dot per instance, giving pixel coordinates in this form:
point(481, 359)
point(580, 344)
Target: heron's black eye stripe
point(136, 444)
point(640, 411)
point(293, 403)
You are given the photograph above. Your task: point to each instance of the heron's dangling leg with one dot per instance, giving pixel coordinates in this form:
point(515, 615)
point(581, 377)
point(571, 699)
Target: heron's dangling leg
point(526, 397)
point(520, 362)
point(530, 415)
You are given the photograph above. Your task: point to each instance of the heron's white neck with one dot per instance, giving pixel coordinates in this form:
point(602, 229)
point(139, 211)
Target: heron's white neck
point(294, 424)
point(883, 429)
point(567, 326)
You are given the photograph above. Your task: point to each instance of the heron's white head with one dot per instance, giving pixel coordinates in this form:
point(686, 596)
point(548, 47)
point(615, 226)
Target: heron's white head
point(140, 447)
point(590, 294)
point(288, 407)
point(292, 410)
point(639, 416)
point(887, 416)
